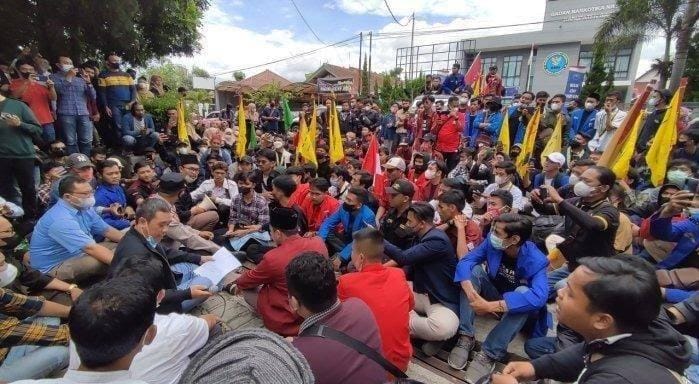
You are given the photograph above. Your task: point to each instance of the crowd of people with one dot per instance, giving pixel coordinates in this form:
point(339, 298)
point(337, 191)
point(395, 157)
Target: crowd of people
point(345, 270)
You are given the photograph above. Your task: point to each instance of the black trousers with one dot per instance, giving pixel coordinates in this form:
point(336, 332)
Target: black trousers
point(22, 172)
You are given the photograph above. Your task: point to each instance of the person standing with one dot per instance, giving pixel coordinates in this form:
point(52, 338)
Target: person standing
point(38, 96)
point(659, 101)
point(607, 121)
point(74, 93)
point(17, 126)
point(270, 117)
point(116, 92)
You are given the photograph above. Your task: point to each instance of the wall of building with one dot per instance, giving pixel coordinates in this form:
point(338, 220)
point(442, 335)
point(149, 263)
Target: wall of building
point(553, 83)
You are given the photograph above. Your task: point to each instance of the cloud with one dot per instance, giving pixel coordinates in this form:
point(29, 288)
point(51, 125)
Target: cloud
point(447, 8)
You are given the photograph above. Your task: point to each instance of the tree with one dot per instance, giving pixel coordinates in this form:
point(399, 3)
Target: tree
point(174, 75)
point(269, 92)
point(692, 70)
point(138, 30)
point(200, 72)
point(365, 78)
point(636, 20)
point(664, 68)
point(597, 74)
point(238, 75)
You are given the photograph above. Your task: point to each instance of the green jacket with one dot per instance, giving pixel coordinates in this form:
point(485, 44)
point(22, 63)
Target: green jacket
point(16, 142)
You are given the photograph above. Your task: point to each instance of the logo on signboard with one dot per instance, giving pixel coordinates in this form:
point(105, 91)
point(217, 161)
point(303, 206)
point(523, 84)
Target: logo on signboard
point(555, 63)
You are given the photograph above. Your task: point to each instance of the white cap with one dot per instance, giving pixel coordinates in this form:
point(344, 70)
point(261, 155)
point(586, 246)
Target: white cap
point(116, 160)
point(557, 157)
point(395, 162)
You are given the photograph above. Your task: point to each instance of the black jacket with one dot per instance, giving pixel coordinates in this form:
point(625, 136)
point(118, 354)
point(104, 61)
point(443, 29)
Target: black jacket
point(134, 245)
point(642, 358)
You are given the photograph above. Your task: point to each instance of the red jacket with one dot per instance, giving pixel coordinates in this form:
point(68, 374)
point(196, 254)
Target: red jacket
point(299, 194)
point(315, 214)
point(448, 131)
point(391, 308)
point(273, 299)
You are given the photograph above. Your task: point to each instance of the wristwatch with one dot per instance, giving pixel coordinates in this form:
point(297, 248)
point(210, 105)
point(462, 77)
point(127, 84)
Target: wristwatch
point(71, 288)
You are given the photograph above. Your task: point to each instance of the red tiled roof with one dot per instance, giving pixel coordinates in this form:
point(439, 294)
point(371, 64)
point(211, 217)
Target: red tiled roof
point(253, 83)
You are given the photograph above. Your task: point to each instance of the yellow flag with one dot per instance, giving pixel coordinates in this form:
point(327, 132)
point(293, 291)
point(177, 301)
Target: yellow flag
point(665, 138)
point(554, 143)
point(504, 137)
point(313, 128)
point(528, 144)
point(623, 161)
point(242, 131)
point(337, 152)
point(477, 85)
point(181, 122)
point(306, 143)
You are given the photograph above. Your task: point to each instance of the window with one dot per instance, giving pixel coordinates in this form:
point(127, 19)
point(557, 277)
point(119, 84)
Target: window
point(511, 70)
point(618, 61)
point(487, 62)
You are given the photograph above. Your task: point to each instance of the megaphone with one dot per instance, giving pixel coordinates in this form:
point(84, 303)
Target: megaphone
point(207, 204)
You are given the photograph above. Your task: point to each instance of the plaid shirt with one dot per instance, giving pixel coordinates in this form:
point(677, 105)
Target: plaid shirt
point(242, 213)
point(73, 95)
point(14, 331)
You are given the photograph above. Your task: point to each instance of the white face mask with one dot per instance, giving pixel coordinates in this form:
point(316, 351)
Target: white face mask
point(589, 106)
point(583, 190)
point(278, 144)
point(430, 174)
point(573, 179)
point(182, 151)
point(516, 104)
point(500, 180)
point(653, 101)
point(67, 67)
point(555, 107)
point(8, 273)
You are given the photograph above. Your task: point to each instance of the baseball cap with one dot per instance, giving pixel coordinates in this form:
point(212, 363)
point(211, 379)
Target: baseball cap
point(395, 162)
point(116, 160)
point(171, 182)
point(430, 137)
point(557, 157)
point(77, 161)
point(402, 186)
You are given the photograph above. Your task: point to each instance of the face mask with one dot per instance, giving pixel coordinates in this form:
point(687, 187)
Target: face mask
point(244, 190)
point(500, 180)
point(652, 102)
point(583, 190)
point(677, 177)
point(182, 151)
point(589, 106)
point(57, 152)
point(516, 104)
point(497, 242)
point(430, 174)
point(575, 145)
point(348, 207)
point(114, 65)
point(335, 182)
point(87, 202)
point(419, 168)
point(555, 107)
point(25, 75)
point(7, 275)
point(190, 179)
point(202, 149)
point(573, 179)
point(67, 67)
point(278, 144)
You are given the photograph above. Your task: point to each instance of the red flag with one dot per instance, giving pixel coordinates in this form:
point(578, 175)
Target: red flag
point(474, 72)
point(372, 164)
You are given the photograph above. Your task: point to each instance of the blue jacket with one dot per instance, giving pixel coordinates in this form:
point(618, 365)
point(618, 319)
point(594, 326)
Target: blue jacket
point(453, 82)
point(531, 271)
point(559, 180)
point(493, 131)
point(684, 232)
point(520, 128)
point(433, 262)
point(127, 126)
point(388, 127)
point(468, 124)
point(577, 125)
point(364, 218)
point(106, 195)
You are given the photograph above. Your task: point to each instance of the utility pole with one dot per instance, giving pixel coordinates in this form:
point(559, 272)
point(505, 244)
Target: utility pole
point(359, 66)
point(412, 42)
point(369, 74)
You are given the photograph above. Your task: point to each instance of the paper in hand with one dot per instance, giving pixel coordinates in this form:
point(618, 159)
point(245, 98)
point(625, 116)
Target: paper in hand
point(216, 269)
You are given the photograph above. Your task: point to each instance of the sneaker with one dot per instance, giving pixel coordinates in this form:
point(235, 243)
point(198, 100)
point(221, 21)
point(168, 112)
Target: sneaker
point(458, 357)
point(431, 348)
point(480, 366)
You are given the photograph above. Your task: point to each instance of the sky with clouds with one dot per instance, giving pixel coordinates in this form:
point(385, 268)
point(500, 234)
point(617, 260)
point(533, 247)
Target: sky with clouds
point(240, 34)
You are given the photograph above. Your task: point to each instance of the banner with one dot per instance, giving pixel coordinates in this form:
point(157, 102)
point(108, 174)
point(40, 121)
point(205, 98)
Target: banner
point(335, 85)
point(576, 76)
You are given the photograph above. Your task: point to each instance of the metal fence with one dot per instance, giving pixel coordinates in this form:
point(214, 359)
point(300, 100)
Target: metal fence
point(435, 58)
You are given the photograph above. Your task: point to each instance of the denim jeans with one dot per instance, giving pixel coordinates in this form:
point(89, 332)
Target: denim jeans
point(540, 346)
point(495, 344)
point(692, 372)
point(31, 362)
point(557, 280)
point(77, 132)
point(112, 132)
point(189, 279)
point(48, 133)
point(140, 142)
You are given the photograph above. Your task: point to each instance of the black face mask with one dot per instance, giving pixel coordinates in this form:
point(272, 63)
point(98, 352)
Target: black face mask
point(57, 153)
point(419, 168)
point(25, 75)
point(348, 207)
point(244, 190)
point(513, 155)
point(575, 145)
point(114, 65)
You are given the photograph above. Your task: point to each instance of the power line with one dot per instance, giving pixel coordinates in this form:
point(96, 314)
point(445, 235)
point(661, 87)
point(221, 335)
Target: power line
point(306, 22)
point(394, 16)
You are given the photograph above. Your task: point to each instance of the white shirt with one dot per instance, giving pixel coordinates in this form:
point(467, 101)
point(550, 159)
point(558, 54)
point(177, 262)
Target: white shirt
point(517, 198)
point(88, 377)
point(208, 186)
point(164, 360)
point(603, 136)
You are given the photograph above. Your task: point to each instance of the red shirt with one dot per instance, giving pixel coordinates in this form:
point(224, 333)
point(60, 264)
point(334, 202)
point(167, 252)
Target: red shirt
point(448, 131)
point(37, 98)
point(273, 299)
point(386, 292)
point(315, 214)
point(299, 194)
point(474, 235)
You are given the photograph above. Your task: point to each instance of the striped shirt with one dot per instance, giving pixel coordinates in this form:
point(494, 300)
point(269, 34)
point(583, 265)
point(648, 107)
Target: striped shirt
point(242, 213)
point(116, 88)
point(73, 95)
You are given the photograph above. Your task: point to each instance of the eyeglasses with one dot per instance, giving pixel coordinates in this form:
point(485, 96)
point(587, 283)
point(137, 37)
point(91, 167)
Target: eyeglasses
point(190, 169)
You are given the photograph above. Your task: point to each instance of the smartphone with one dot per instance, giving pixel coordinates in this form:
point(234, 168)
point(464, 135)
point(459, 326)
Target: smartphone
point(42, 78)
point(693, 184)
point(543, 193)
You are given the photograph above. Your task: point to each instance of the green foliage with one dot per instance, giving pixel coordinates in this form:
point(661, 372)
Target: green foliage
point(200, 72)
point(270, 92)
point(138, 30)
point(692, 70)
point(392, 90)
point(238, 75)
point(158, 106)
point(597, 75)
point(174, 75)
point(365, 78)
